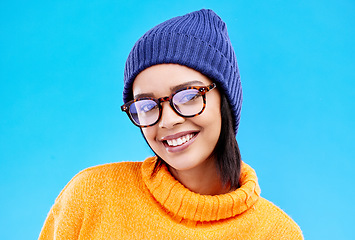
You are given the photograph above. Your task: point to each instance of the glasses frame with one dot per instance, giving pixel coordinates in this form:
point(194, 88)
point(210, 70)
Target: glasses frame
point(202, 89)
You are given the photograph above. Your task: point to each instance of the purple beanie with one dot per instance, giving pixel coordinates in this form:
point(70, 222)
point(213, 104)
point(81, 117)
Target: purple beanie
point(198, 40)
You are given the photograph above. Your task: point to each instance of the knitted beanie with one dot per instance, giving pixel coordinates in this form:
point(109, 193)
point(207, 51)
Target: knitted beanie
point(198, 40)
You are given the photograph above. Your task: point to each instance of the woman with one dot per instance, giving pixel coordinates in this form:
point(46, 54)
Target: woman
point(182, 89)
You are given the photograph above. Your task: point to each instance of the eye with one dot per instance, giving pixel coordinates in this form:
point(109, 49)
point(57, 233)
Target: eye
point(186, 96)
point(146, 105)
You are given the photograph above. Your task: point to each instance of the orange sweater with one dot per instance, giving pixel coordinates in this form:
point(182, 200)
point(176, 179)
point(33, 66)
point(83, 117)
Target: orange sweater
point(123, 201)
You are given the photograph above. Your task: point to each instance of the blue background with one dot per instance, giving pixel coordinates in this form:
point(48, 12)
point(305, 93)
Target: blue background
point(61, 72)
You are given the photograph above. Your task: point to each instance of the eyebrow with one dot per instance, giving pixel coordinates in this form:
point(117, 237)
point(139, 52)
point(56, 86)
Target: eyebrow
point(173, 89)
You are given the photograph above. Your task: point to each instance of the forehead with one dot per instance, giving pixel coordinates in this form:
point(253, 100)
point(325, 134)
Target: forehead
point(162, 79)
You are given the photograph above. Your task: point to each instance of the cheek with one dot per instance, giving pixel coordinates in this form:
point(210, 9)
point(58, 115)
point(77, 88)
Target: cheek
point(150, 135)
point(212, 111)
point(210, 121)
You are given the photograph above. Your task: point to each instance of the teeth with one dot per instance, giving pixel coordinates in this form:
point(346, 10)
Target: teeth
point(180, 140)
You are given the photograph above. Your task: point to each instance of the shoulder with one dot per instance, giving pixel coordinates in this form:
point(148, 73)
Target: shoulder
point(279, 222)
point(87, 193)
point(110, 170)
point(98, 178)
point(269, 207)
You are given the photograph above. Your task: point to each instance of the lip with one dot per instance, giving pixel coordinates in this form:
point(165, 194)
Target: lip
point(182, 147)
point(177, 135)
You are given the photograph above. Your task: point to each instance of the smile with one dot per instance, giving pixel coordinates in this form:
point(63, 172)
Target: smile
point(179, 142)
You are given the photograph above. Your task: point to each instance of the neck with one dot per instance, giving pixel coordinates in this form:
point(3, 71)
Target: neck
point(204, 180)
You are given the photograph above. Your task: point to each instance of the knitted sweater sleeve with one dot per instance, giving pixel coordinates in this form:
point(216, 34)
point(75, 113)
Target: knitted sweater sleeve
point(66, 216)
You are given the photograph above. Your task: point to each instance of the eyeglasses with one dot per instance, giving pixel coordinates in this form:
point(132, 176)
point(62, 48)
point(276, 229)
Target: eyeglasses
point(186, 102)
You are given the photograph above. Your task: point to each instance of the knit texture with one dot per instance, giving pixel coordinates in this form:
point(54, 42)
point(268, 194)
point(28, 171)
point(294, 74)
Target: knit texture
point(198, 40)
point(124, 201)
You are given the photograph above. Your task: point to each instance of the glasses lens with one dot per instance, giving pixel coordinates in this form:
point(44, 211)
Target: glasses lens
point(188, 102)
point(144, 112)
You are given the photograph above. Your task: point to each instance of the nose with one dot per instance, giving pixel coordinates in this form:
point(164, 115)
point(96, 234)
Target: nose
point(169, 118)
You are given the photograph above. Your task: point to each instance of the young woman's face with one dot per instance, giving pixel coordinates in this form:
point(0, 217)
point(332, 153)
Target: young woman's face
point(183, 143)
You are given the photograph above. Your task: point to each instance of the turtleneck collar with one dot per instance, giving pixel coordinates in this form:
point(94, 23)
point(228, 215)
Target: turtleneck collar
point(185, 204)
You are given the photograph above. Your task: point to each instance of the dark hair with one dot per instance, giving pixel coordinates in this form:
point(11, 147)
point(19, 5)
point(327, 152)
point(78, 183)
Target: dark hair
point(226, 151)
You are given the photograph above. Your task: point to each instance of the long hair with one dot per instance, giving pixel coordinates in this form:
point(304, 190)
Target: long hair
point(226, 151)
